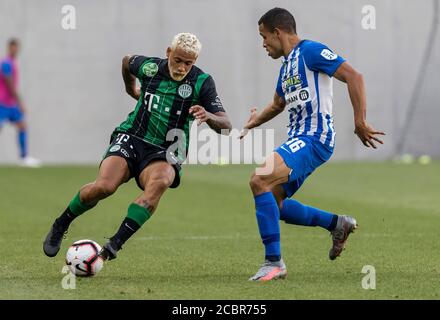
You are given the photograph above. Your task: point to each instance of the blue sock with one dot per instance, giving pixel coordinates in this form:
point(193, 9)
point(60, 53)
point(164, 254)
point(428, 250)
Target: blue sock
point(22, 141)
point(268, 216)
point(294, 212)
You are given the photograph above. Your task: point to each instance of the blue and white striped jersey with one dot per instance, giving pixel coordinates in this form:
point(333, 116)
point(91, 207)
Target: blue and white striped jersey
point(305, 83)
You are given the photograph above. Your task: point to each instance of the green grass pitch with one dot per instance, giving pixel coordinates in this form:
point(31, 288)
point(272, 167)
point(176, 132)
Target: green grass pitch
point(203, 242)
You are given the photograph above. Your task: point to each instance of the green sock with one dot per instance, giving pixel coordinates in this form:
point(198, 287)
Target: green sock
point(136, 217)
point(138, 214)
point(77, 207)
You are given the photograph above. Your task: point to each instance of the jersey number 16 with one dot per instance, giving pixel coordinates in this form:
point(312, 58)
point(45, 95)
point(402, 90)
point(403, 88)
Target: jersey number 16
point(295, 144)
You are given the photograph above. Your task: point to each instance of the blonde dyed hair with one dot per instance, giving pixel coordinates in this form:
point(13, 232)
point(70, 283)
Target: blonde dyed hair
point(187, 42)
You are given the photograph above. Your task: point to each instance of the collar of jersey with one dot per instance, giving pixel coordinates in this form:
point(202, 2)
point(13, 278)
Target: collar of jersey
point(289, 57)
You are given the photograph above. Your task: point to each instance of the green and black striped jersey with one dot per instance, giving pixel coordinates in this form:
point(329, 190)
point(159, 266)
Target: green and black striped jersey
point(164, 103)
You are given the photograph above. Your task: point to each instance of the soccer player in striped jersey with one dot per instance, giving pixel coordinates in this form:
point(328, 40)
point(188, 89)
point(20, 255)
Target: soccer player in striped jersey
point(304, 87)
point(152, 142)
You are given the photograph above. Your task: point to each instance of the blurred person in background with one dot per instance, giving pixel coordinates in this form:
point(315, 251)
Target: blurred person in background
point(11, 105)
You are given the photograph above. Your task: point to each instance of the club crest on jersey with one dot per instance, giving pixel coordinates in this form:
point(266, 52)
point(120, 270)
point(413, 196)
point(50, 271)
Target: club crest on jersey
point(150, 69)
point(185, 90)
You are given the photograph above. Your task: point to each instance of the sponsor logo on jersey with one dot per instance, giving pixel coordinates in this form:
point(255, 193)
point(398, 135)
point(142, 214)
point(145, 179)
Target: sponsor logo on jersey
point(185, 90)
point(327, 54)
point(216, 102)
point(150, 69)
point(298, 98)
point(152, 101)
point(304, 95)
point(292, 81)
point(125, 153)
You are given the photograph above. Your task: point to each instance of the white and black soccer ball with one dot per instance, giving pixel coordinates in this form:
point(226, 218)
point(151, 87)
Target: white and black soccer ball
point(82, 258)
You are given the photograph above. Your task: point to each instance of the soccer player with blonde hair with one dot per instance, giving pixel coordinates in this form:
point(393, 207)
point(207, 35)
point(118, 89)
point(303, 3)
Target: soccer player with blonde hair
point(173, 93)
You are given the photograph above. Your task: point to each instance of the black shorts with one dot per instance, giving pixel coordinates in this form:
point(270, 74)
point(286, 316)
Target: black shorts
point(139, 154)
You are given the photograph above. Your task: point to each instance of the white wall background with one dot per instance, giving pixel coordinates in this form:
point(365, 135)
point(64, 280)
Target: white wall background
point(71, 82)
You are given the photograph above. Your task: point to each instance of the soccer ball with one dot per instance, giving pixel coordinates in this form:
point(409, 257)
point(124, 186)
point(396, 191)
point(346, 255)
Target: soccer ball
point(82, 258)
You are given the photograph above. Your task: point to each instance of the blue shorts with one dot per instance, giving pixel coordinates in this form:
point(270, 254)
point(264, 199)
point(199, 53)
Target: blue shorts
point(12, 114)
point(302, 154)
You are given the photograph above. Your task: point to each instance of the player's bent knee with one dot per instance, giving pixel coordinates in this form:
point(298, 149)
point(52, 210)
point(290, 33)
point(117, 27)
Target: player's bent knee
point(258, 182)
point(162, 181)
point(105, 189)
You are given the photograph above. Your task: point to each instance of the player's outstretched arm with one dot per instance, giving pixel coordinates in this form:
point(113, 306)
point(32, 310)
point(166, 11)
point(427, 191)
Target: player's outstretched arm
point(356, 90)
point(129, 79)
point(219, 121)
point(272, 109)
